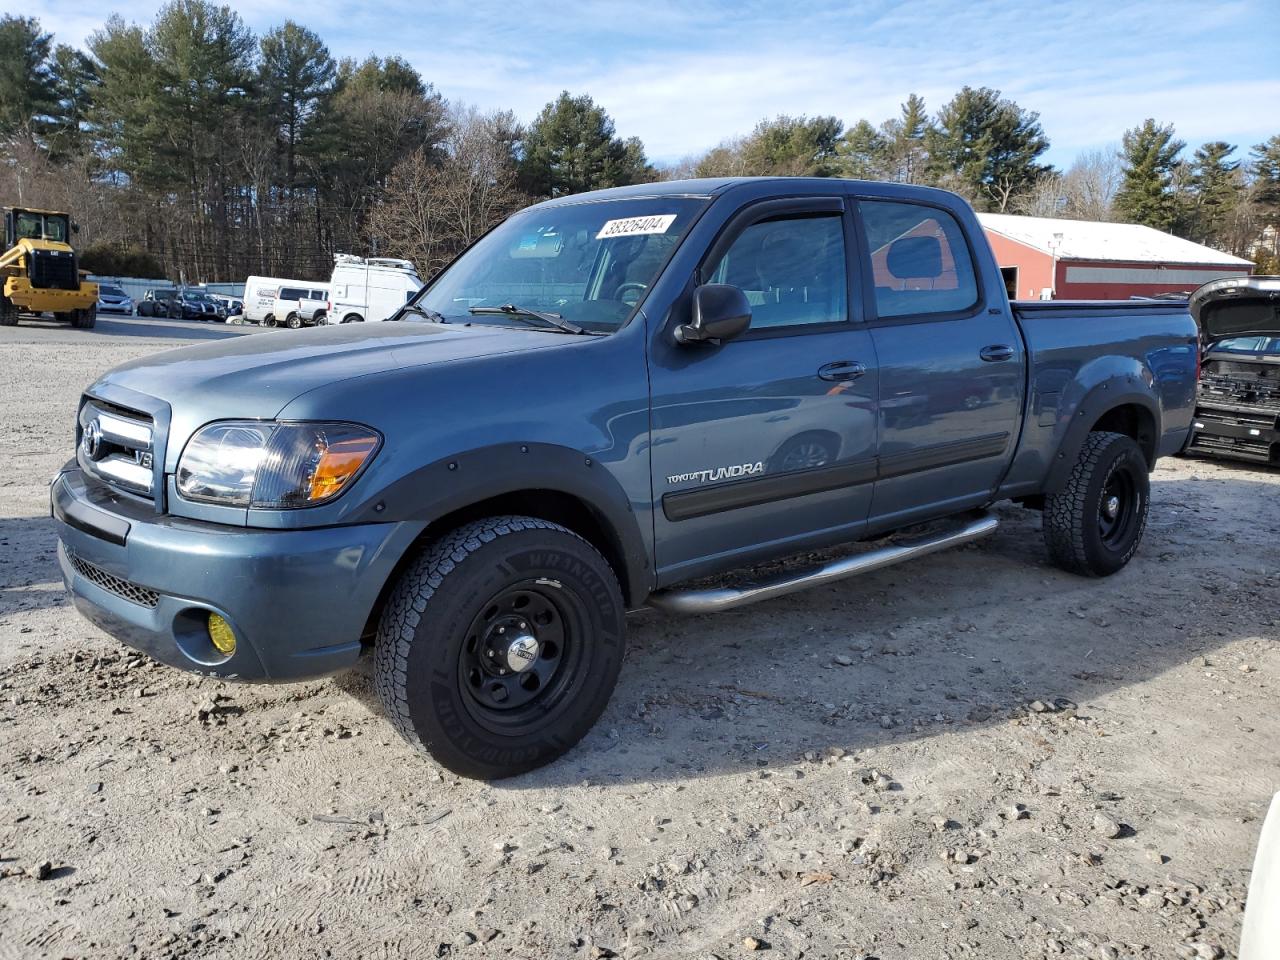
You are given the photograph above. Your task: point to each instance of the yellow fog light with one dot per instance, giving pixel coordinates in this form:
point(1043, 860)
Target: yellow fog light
point(223, 637)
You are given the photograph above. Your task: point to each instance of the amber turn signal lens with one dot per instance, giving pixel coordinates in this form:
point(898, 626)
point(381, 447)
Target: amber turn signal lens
point(221, 635)
point(339, 462)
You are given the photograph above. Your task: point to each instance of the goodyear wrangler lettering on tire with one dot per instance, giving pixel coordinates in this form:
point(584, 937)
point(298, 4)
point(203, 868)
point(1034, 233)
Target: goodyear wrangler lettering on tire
point(500, 646)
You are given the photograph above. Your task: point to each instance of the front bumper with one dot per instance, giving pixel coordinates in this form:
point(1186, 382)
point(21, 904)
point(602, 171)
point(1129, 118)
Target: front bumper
point(297, 600)
point(122, 308)
point(1236, 431)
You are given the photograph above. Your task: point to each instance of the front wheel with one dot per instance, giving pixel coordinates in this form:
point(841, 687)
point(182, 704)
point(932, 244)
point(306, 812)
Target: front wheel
point(500, 646)
point(1094, 524)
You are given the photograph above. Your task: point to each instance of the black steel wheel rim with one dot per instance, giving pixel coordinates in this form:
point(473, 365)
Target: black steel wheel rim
point(521, 654)
point(1118, 507)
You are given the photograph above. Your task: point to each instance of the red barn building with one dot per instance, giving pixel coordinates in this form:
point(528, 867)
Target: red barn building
point(1045, 258)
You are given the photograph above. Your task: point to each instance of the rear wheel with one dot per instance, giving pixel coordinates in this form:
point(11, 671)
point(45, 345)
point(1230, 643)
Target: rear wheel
point(1094, 524)
point(268, 321)
point(500, 646)
point(322, 319)
point(84, 319)
point(293, 321)
point(353, 318)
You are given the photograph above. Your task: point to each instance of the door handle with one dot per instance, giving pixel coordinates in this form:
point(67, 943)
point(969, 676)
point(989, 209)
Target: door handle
point(996, 353)
point(841, 370)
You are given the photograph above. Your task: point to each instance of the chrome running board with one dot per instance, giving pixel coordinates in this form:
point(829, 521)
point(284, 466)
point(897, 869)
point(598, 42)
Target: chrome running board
point(716, 599)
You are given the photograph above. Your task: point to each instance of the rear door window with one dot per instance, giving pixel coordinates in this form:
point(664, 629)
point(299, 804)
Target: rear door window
point(920, 261)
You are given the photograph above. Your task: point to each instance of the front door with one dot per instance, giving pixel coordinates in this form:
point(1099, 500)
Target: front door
point(951, 365)
point(766, 442)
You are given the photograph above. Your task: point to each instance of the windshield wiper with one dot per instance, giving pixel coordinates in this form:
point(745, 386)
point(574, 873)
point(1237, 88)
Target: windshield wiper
point(521, 313)
point(426, 313)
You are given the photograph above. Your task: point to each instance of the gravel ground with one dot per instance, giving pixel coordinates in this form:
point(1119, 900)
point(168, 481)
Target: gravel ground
point(972, 756)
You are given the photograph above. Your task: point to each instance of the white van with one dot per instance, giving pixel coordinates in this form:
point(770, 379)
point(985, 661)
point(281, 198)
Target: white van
point(369, 288)
point(277, 302)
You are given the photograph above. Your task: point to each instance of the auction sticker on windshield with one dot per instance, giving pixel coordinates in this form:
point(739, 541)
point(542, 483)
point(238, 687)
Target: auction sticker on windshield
point(636, 226)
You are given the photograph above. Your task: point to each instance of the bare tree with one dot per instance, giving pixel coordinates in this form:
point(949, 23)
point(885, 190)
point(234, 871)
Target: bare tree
point(1091, 183)
point(434, 208)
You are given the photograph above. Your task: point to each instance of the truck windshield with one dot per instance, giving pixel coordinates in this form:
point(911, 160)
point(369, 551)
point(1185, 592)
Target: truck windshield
point(588, 263)
point(1248, 345)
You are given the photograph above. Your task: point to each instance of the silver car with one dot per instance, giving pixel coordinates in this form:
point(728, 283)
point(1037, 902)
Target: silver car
point(112, 299)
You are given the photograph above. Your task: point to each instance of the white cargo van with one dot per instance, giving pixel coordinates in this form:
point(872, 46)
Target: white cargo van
point(277, 302)
point(369, 288)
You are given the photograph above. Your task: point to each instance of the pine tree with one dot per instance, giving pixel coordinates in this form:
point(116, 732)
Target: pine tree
point(907, 134)
point(1217, 190)
point(572, 146)
point(1264, 165)
point(865, 153)
point(986, 148)
point(75, 82)
point(295, 74)
point(27, 94)
point(1150, 154)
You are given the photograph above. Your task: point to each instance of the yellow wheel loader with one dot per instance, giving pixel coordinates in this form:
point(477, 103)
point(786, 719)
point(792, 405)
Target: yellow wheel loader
point(39, 270)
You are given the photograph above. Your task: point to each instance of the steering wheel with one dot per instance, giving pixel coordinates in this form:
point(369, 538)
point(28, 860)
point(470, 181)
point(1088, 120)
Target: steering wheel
point(631, 285)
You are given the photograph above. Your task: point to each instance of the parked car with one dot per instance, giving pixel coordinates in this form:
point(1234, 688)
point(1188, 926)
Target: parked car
point(233, 307)
point(582, 415)
point(370, 288)
point(274, 302)
point(1238, 405)
point(113, 299)
point(210, 308)
point(160, 302)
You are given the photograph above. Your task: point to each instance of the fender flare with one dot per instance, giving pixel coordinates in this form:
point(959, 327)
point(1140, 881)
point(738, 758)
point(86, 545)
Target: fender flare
point(456, 482)
point(1109, 394)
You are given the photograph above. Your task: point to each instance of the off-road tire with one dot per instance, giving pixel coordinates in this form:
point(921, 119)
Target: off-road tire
point(427, 633)
point(8, 312)
point(85, 319)
point(1074, 516)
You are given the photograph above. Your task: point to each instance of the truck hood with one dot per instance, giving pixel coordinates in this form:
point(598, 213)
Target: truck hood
point(256, 375)
point(1236, 307)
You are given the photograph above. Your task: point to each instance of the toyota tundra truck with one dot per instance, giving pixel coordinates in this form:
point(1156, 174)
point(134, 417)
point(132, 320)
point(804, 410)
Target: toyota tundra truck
point(607, 400)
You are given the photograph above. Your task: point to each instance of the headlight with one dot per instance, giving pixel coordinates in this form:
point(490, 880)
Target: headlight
point(253, 463)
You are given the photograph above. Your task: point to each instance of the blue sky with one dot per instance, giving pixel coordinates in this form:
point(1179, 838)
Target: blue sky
point(685, 74)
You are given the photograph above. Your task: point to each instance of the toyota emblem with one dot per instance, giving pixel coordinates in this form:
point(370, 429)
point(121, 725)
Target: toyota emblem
point(93, 440)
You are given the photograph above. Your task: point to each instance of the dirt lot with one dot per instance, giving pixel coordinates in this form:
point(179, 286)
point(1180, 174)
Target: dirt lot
point(972, 756)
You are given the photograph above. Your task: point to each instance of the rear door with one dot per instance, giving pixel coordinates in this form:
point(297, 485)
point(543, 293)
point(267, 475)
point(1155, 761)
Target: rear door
point(764, 442)
point(950, 359)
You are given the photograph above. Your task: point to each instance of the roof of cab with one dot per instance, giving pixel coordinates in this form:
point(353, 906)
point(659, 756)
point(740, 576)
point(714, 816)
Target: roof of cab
point(709, 187)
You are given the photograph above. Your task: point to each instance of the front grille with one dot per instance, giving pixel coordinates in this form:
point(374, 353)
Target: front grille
point(117, 446)
point(54, 270)
point(1254, 391)
point(142, 596)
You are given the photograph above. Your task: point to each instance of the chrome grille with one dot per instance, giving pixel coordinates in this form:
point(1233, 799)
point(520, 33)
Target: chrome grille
point(142, 596)
point(117, 447)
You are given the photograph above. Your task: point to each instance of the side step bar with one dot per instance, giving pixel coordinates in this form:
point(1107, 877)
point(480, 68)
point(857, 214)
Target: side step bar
point(716, 599)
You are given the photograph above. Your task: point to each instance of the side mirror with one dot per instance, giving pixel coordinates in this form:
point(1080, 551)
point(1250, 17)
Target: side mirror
point(720, 312)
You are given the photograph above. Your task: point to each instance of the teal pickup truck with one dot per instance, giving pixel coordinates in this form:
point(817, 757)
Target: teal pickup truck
point(605, 398)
